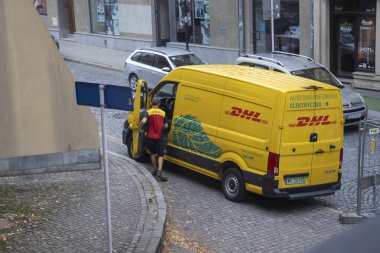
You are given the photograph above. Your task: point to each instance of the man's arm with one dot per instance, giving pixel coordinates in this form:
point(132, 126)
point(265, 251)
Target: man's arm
point(143, 121)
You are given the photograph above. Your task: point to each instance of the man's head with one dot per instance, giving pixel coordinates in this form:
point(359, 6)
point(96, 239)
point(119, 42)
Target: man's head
point(155, 102)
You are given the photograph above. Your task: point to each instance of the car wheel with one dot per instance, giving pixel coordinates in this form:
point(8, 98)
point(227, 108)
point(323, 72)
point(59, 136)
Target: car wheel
point(133, 79)
point(233, 184)
point(140, 157)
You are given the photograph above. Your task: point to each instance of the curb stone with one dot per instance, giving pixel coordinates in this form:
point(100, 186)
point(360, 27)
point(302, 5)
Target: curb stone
point(150, 226)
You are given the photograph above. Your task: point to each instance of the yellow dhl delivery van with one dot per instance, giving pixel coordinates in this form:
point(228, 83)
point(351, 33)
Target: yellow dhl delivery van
point(260, 131)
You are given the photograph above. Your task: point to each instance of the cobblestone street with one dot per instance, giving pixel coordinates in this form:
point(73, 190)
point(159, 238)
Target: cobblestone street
point(199, 218)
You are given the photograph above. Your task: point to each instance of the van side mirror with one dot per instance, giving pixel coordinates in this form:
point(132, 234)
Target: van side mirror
point(166, 69)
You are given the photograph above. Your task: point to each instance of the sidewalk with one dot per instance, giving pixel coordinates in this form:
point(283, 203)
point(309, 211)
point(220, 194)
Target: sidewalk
point(66, 212)
point(96, 56)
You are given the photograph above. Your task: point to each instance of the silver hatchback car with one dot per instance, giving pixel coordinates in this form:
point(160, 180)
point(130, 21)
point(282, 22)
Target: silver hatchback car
point(153, 64)
point(354, 106)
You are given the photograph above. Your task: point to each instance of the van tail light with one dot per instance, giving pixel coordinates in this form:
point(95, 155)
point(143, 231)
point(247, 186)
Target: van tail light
point(340, 158)
point(273, 164)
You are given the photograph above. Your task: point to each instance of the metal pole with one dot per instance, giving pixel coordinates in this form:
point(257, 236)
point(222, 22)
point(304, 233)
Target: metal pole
point(272, 23)
point(241, 27)
point(106, 178)
point(360, 163)
point(187, 27)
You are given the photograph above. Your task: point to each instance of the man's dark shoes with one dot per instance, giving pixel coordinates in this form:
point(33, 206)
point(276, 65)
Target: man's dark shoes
point(154, 173)
point(161, 176)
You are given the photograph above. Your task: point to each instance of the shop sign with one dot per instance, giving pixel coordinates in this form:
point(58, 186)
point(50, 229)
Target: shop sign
point(367, 43)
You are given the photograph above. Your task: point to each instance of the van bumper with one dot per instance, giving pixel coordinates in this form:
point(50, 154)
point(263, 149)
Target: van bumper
point(303, 192)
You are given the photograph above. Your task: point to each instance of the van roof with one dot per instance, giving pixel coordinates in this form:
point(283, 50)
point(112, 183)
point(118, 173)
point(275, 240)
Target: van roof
point(266, 78)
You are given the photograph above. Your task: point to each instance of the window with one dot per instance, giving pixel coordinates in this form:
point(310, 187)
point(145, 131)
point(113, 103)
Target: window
point(161, 62)
point(167, 90)
point(286, 27)
point(147, 58)
point(193, 21)
point(136, 57)
point(367, 6)
point(186, 59)
point(353, 36)
point(167, 94)
point(319, 74)
point(366, 44)
point(104, 17)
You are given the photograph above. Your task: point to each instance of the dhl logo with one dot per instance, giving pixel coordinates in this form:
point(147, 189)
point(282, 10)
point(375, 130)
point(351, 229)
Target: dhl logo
point(313, 121)
point(246, 114)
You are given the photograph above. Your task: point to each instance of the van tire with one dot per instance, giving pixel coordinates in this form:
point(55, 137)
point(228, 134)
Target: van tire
point(233, 185)
point(140, 157)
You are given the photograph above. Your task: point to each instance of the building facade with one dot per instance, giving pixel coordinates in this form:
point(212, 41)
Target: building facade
point(341, 34)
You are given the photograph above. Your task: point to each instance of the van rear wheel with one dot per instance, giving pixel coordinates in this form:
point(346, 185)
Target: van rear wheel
point(233, 184)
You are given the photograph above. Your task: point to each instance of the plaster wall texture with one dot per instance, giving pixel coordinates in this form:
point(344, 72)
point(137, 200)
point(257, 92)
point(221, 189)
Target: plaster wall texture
point(38, 109)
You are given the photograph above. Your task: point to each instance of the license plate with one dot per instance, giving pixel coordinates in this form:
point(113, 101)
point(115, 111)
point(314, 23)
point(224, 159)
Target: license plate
point(295, 180)
point(353, 115)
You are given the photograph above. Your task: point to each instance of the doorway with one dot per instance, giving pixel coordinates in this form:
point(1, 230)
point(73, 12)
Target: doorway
point(162, 22)
point(71, 16)
point(344, 41)
point(66, 17)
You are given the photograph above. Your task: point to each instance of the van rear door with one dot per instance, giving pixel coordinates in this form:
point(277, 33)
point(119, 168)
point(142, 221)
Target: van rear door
point(328, 129)
point(311, 138)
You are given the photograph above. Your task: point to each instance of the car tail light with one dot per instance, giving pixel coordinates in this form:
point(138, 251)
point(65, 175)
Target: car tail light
point(273, 164)
point(340, 158)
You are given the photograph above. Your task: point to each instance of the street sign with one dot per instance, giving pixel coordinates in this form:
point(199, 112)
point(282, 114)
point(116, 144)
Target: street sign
point(118, 97)
point(87, 94)
point(111, 97)
point(115, 97)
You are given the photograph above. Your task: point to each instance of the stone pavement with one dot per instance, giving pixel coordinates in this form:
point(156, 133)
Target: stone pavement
point(65, 212)
point(96, 56)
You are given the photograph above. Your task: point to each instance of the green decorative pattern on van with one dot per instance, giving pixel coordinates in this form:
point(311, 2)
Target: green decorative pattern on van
point(189, 134)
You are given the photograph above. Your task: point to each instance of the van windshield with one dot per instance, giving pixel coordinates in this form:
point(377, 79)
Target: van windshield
point(319, 74)
point(185, 59)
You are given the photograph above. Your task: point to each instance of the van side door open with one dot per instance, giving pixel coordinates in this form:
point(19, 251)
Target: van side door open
point(140, 102)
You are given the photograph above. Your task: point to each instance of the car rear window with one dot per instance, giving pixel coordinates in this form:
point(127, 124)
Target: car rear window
point(185, 59)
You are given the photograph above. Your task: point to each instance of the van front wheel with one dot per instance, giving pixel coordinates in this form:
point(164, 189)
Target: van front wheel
point(233, 185)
